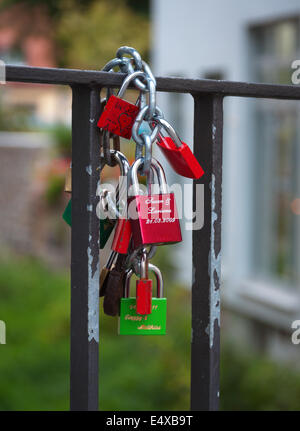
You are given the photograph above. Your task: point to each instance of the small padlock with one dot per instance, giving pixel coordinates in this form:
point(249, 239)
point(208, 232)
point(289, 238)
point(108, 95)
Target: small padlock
point(153, 217)
point(178, 153)
point(119, 115)
point(131, 323)
point(144, 288)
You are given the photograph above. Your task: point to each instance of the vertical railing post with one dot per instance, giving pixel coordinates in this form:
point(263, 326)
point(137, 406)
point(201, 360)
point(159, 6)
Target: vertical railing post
point(205, 348)
point(85, 250)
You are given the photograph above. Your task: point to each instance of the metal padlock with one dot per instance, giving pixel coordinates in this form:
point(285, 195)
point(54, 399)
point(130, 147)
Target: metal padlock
point(131, 323)
point(153, 217)
point(178, 153)
point(119, 115)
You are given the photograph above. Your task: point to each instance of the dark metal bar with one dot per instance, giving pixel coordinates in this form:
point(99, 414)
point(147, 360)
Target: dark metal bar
point(205, 349)
point(180, 85)
point(85, 250)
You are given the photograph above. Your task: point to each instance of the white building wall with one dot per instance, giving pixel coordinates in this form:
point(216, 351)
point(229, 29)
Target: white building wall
point(192, 38)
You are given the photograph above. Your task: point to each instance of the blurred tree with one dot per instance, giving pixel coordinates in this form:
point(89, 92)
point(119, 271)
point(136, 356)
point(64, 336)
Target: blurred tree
point(88, 32)
point(90, 37)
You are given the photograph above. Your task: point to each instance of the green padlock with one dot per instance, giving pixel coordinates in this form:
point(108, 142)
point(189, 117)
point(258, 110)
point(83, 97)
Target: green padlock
point(131, 323)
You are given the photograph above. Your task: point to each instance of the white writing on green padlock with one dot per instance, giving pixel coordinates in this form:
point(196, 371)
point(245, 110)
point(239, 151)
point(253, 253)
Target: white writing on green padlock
point(131, 323)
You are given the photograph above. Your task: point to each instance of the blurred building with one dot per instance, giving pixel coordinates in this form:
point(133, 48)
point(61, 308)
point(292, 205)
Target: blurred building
point(244, 41)
point(26, 225)
point(26, 38)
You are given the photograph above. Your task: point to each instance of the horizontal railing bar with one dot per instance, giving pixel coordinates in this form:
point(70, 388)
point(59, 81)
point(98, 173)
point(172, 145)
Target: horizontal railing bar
point(43, 75)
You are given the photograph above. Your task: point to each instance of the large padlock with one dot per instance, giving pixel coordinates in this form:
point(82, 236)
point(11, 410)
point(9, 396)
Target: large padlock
point(119, 115)
point(178, 153)
point(153, 217)
point(131, 323)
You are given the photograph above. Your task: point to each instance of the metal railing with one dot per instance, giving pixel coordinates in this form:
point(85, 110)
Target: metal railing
point(206, 244)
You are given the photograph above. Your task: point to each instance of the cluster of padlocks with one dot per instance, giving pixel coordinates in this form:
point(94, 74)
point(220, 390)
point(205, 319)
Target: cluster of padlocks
point(139, 220)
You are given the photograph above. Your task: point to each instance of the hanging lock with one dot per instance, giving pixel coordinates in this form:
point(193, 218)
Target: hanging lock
point(122, 235)
point(178, 153)
point(131, 323)
point(119, 115)
point(153, 217)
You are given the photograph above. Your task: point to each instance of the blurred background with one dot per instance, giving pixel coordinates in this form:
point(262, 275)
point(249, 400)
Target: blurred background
point(245, 41)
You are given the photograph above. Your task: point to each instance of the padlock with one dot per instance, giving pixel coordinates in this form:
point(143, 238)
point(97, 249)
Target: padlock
point(119, 115)
point(144, 288)
point(120, 244)
point(131, 323)
point(178, 153)
point(122, 235)
point(153, 217)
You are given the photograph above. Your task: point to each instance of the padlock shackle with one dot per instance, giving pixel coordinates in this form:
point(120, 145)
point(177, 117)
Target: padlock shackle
point(122, 191)
point(170, 131)
point(159, 280)
point(144, 265)
point(133, 176)
point(127, 81)
point(158, 277)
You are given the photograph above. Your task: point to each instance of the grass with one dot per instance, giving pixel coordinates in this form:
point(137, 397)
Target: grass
point(138, 373)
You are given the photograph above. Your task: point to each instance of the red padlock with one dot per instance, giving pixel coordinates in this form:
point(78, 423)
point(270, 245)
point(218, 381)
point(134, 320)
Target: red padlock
point(119, 115)
point(153, 217)
point(122, 236)
point(178, 153)
point(144, 289)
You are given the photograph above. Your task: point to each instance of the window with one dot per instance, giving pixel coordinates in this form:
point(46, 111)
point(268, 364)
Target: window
point(277, 247)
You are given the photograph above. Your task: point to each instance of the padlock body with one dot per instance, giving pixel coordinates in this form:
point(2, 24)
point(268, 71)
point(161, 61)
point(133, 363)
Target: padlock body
point(67, 214)
point(118, 117)
point(122, 236)
point(181, 159)
point(131, 323)
point(154, 219)
point(144, 296)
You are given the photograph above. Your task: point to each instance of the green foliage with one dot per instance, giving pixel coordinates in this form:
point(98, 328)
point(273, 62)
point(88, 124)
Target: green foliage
point(34, 362)
point(252, 382)
point(88, 32)
point(62, 139)
point(89, 37)
point(139, 373)
point(54, 190)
